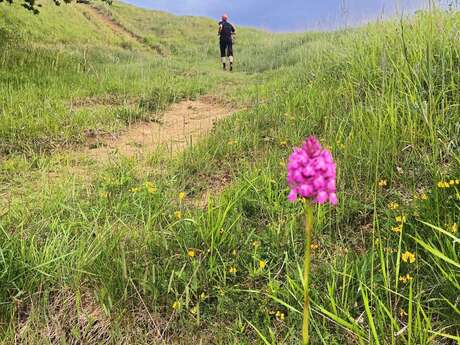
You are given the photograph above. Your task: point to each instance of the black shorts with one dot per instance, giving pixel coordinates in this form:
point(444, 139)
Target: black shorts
point(226, 48)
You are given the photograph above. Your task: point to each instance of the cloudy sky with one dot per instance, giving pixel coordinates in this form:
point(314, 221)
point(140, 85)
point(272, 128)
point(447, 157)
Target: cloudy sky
point(288, 15)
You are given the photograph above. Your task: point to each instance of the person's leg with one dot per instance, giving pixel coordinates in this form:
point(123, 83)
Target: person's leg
point(230, 54)
point(223, 55)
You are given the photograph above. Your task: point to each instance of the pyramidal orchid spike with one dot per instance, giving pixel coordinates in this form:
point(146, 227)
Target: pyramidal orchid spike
point(312, 173)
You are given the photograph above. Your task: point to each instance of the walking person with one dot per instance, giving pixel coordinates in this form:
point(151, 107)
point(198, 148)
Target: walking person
point(226, 32)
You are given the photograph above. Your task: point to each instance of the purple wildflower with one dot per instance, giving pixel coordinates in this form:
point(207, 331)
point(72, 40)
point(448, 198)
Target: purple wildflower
point(312, 173)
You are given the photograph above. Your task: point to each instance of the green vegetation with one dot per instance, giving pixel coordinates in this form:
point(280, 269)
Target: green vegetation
point(118, 255)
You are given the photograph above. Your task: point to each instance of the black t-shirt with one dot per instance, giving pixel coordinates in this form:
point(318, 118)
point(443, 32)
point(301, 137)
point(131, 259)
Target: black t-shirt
point(226, 30)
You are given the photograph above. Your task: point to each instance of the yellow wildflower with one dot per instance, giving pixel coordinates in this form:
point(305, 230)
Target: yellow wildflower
point(151, 188)
point(256, 244)
point(191, 253)
point(423, 196)
point(406, 278)
point(397, 229)
point(203, 296)
point(383, 183)
point(401, 219)
point(178, 214)
point(104, 195)
point(393, 206)
point(443, 184)
point(280, 315)
point(182, 196)
point(457, 181)
point(194, 310)
point(262, 264)
point(283, 142)
point(314, 246)
point(234, 252)
point(452, 182)
point(135, 190)
point(232, 270)
point(408, 257)
point(402, 312)
point(232, 142)
point(176, 305)
point(454, 228)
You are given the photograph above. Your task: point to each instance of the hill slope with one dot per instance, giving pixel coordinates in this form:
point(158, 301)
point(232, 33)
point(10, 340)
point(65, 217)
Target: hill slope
point(95, 51)
point(202, 246)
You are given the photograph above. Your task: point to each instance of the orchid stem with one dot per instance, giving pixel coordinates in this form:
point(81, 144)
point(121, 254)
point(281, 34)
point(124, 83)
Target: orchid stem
point(306, 274)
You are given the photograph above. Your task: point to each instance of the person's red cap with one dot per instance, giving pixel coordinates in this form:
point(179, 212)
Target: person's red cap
point(225, 17)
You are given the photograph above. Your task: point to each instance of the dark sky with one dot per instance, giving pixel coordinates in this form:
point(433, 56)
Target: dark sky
point(288, 15)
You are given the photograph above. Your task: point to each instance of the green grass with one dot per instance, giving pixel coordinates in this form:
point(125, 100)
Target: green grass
point(104, 258)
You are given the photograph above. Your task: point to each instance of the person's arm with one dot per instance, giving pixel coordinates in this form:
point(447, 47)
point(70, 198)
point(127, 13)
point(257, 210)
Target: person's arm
point(233, 30)
point(220, 29)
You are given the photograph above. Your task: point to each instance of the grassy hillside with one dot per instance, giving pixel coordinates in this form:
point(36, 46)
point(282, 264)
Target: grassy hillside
point(71, 53)
point(114, 253)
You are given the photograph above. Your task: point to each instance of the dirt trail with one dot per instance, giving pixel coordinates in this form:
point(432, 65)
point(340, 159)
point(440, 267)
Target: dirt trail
point(183, 125)
point(99, 15)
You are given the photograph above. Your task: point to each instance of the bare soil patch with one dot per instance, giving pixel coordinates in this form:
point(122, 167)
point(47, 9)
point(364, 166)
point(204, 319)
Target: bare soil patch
point(182, 126)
